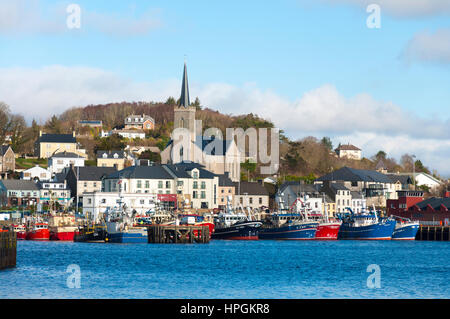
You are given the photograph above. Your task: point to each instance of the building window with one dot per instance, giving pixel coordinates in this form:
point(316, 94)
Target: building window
point(251, 200)
point(203, 194)
point(203, 185)
point(139, 183)
point(195, 174)
point(194, 194)
point(147, 184)
point(260, 200)
point(160, 184)
point(195, 186)
point(167, 184)
point(179, 183)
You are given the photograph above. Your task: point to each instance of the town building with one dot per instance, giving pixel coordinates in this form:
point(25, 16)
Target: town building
point(226, 191)
point(423, 179)
point(141, 122)
point(251, 194)
point(111, 159)
point(290, 192)
point(359, 203)
point(86, 179)
point(187, 181)
point(375, 186)
point(217, 155)
point(91, 123)
point(36, 173)
point(15, 192)
point(126, 133)
point(433, 211)
point(349, 151)
point(8, 159)
point(49, 144)
point(58, 161)
point(51, 192)
point(95, 204)
point(340, 195)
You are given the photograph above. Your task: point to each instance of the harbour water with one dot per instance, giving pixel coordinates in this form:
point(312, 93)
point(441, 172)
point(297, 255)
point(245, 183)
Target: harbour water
point(230, 269)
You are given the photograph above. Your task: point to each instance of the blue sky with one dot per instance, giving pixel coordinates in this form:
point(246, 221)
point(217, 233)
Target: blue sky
point(272, 58)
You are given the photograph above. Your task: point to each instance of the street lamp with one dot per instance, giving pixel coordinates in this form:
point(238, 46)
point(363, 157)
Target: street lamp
point(414, 171)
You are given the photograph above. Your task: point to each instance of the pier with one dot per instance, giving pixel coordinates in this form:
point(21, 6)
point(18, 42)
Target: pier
point(165, 234)
point(438, 233)
point(8, 250)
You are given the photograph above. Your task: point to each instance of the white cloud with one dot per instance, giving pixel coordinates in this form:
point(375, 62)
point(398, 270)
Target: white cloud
point(362, 120)
point(429, 47)
point(31, 17)
point(402, 8)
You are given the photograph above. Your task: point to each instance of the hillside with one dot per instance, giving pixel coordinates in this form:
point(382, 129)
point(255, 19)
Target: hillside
point(306, 158)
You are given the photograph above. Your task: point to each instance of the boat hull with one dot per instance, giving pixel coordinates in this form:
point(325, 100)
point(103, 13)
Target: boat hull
point(408, 232)
point(41, 234)
point(21, 235)
point(290, 232)
point(96, 235)
point(240, 231)
point(127, 238)
point(63, 236)
point(327, 231)
point(377, 231)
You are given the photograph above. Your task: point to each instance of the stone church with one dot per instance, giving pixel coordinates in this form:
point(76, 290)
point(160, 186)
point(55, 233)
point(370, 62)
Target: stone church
point(217, 155)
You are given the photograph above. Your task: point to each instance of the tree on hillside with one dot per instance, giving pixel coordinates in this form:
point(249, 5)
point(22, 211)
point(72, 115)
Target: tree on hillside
point(110, 143)
point(406, 161)
point(54, 125)
point(421, 168)
point(197, 104)
point(4, 121)
point(171, 101)
point(18, 131)
point(152, 156)
point(326, 141)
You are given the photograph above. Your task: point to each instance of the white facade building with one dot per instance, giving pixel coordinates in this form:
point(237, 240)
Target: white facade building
point(96, 203)
point(59, 161)
point(36, 173)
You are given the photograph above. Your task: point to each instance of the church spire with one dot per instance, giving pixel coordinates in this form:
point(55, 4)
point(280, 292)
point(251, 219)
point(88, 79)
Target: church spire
point(184, 98)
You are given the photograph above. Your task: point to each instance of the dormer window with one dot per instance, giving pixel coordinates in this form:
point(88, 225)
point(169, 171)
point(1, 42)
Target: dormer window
point(129, 119)
point(105, 155)
point(116, 155)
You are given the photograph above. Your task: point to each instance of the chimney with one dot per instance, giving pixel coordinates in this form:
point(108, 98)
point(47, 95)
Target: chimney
point(40, 133)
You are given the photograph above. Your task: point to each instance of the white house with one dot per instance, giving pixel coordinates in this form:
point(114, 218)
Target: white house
point(54, 191)
point(349, 151)
point(36, 173)
point(58, 161)
point(96, 203)
point(423, 179)
point(359, 203)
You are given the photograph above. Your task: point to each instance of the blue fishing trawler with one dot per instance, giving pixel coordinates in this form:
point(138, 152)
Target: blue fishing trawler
point(366, 225)
point(121, 228)
point(405, 229)
point(290, 226)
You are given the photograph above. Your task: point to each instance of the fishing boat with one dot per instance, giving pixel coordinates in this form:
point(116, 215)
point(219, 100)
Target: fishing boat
point(235, 225)
point(121, 226)
point(62, 226)
point(38, 230)
point(90, 233)
point(365, 225)
point(20, 231)
point(292, 226)
point(327, 228)
point(405, 229)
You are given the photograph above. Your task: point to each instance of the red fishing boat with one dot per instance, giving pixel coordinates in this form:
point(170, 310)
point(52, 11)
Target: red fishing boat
point(38, 231)
point(62, 227)
point(20, 231)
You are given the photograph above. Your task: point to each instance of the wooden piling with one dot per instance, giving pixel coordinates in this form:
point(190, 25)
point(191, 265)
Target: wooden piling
point(8, 250)
point(436, 233)
point(172, 234)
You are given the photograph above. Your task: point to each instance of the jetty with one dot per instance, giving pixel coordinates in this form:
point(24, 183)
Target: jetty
point(171, 234)
point(8, 249)
point(438, 233)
